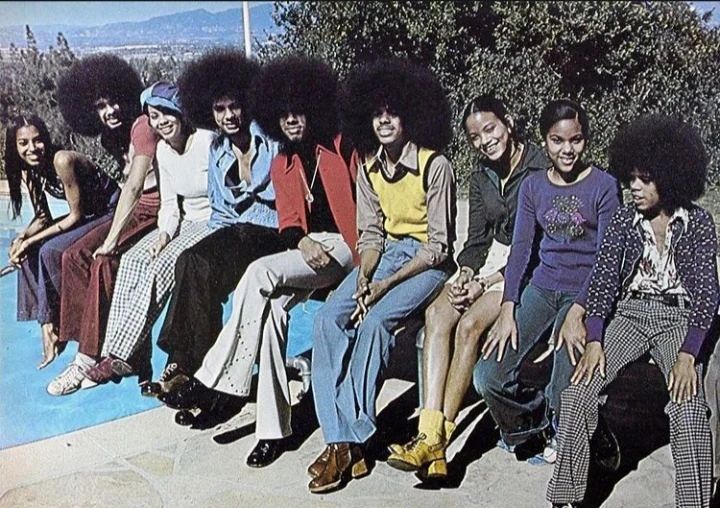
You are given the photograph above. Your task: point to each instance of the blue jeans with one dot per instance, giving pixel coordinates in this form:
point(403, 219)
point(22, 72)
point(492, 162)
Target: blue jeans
point(348, 361)
point(38, 288)
point(519, 411)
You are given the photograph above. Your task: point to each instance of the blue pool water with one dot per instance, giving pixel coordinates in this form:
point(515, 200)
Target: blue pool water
point(28, 413)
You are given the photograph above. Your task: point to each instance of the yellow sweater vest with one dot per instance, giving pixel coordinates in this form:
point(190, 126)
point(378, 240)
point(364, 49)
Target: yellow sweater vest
point(403, 200)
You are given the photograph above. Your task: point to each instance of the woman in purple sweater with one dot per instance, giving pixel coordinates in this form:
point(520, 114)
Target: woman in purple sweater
point(569, 205)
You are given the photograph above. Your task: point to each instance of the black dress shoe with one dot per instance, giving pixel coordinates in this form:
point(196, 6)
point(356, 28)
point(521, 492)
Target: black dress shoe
point(266, 451)
point(184, 417)
point(186, 396)
point(604, 447)
point(150, 389)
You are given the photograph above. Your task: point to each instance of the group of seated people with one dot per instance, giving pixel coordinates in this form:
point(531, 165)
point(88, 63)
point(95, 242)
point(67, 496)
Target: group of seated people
point(271, 182)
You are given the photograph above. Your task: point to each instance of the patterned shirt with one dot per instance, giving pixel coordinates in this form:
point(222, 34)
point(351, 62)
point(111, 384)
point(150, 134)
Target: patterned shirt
point(656, 271)
point(695, 247)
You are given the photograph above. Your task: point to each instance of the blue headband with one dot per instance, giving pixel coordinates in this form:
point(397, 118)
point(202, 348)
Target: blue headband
point(161, 94)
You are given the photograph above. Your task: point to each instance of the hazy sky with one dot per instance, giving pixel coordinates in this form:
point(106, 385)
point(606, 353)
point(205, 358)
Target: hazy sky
point(97, 13)
point(100, 13)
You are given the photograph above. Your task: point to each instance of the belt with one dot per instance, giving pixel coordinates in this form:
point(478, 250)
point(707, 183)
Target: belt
point(672, 300)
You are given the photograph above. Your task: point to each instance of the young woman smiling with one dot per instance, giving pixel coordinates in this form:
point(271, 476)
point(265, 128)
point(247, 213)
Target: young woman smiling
point(30, 157)
point(145, 276)
point(571, 204)
point(469, 304)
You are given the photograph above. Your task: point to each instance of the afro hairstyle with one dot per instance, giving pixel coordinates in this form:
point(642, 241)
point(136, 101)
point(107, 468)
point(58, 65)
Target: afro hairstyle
point(94, 77)
point(222, 72)
point(409, 90)
point(299, 85)
point(666, 149)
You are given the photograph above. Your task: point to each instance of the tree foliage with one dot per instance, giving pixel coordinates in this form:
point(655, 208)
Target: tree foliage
point(619, 59)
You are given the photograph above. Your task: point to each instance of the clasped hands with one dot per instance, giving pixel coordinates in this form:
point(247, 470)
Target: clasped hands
point(366, 295)
point(465, 290)
point(17, 251)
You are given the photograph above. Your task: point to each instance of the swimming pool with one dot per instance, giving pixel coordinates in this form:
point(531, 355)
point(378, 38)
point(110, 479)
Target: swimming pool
point(27, 412)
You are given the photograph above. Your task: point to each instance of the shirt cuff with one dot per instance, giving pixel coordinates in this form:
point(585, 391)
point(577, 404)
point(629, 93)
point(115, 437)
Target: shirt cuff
point(431, 256)
point(693, 341)
point(595, 326)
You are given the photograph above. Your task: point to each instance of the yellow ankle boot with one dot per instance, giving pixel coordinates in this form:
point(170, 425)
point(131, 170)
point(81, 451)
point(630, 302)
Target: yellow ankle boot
point(437, 470)
point(427, 448)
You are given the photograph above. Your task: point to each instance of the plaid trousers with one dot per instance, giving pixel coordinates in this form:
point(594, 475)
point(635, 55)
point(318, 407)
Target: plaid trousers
point(639, 326)
point(142, 288)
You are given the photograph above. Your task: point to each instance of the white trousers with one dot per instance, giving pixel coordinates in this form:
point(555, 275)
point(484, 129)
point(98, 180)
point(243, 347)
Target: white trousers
point(270, 287)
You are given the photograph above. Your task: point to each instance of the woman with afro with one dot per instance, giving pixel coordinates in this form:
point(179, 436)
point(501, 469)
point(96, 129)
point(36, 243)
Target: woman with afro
point(398, 117)
point(214, 90)
point(100, 95)
point(654, 289)
point(314, 175)
point(30, 160)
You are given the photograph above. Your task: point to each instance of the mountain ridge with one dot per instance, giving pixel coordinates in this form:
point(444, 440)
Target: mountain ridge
point(191, 27)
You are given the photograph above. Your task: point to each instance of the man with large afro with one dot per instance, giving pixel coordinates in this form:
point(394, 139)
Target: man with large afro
point(100, 95)
point(398, 116)
point(655, 286)
point(214, 90)
point(314, 175)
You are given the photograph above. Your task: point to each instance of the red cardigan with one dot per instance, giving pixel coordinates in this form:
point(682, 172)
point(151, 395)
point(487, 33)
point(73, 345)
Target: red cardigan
point(338, 180)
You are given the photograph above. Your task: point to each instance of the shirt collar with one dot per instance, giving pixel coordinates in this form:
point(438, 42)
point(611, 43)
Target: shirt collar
point(408, 159)
point(681, 214)
point(258, 136)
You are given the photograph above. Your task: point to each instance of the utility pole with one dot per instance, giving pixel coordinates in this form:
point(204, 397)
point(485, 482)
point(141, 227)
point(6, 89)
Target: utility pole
point(246, 28)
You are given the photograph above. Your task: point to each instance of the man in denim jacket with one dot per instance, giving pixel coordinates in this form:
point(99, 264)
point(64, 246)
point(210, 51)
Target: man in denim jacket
point(214, 91)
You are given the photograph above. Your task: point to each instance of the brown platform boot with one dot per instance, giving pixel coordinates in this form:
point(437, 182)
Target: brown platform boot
point(345, 461)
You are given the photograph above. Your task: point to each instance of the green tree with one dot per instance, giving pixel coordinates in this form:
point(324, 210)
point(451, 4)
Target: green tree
point(619, 59)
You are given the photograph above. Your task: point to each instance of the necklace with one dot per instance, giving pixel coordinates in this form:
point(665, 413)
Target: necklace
point(308, 189)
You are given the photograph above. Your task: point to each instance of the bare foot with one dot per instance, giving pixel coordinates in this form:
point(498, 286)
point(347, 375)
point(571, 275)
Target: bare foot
point(50, 341)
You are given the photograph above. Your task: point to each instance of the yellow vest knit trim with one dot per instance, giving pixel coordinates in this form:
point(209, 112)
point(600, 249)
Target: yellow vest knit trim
point(403, 200)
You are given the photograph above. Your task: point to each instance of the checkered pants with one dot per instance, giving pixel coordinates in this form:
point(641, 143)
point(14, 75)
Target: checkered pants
point(143, 286)
point(638, 327)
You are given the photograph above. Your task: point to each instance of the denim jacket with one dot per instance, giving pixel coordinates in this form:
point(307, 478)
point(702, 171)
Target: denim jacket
point(695, 246)
point(252, 202)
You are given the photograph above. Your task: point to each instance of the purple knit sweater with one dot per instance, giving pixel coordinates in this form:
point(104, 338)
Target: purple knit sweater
point(573, 219)
point(695, 260)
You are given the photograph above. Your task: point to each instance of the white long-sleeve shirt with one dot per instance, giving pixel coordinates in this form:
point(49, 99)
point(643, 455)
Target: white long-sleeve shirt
point(184, 182)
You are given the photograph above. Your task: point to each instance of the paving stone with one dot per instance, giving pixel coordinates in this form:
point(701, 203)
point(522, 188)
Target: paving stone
point(86, 490)
point(153, 463)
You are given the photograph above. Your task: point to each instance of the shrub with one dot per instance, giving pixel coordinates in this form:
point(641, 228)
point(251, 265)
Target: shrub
point(619, 59)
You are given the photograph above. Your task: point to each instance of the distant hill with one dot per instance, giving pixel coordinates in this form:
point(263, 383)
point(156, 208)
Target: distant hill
point(196, 28)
